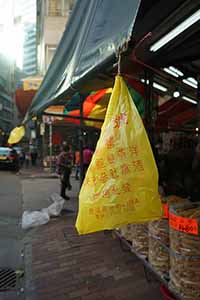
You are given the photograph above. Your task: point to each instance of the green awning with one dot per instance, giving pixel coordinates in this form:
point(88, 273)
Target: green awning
point(94, 33)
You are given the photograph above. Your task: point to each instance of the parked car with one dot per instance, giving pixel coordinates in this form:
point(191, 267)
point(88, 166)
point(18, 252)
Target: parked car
point(8, 158)
point(21, 154)
point(18, 149)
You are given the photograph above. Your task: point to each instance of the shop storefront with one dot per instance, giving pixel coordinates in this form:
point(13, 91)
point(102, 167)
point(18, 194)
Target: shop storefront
point(161, 66)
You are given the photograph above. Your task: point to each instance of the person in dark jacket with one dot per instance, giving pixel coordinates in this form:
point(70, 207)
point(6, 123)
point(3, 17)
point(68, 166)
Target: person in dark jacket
point(63, 168)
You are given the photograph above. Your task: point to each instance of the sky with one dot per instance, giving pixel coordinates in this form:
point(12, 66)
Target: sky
point(11, 36)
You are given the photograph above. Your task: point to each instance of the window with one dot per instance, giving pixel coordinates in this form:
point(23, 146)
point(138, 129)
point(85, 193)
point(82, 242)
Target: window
point(50, 51)
point(59, 7)
point(65, 7)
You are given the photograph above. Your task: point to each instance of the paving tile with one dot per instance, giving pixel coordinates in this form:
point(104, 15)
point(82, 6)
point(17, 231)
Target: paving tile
point(91, 267)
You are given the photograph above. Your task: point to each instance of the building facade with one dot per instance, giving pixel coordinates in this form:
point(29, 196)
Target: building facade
point(7, 70)
point(26, 16)
point(51, 21)
point(6, 96)
point(52, 17)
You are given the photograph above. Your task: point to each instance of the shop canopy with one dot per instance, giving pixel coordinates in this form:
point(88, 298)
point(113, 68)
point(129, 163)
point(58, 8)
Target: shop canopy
point(172, 113)
point(85, 56)
point(94, 33)
point(95, 105)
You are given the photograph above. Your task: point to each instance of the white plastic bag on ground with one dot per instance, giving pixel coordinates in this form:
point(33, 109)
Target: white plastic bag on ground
point(33, 219)
point(57, 198)
point(55, 208)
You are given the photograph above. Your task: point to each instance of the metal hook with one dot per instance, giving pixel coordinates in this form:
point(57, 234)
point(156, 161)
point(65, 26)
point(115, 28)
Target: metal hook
point(119, 64)
point(123, 48)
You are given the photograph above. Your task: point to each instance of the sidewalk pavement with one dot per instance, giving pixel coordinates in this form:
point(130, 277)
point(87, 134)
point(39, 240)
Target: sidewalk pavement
point(66, 266)
point(37, 172)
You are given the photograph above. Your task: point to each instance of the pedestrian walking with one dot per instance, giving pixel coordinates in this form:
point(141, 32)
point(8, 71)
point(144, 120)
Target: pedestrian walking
point(63, 168)
point(34, 155)
point(87, 157)
point(21, 158)
point(77, 164)
point(27, 159)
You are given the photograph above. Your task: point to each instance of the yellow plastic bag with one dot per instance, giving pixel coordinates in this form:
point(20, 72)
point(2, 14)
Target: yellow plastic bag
point(16, 135)
point(121, 185)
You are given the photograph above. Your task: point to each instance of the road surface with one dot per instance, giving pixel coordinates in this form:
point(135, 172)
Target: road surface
point(10, 196)
point(11, 243)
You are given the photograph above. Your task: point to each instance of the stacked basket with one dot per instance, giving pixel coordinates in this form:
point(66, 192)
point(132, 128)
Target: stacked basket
point(158, 254)
point(185, 251)
point(138, 235)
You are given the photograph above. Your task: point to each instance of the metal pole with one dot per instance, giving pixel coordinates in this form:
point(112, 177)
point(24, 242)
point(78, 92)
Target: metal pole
point(50, 146)
point(198, 105)
point(43, 148)
point(73, 117)
point(39, 138)
point(81, 142)
point(147, 100)
point(151, 104)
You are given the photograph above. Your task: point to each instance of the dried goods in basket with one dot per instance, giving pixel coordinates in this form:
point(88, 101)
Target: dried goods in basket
point(127, 231)
point(138, 235)
point(158, 254)
point(140, 238)
point(185, 251)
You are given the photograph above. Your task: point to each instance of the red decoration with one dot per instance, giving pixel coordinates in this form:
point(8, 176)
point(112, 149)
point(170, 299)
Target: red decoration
point(57, 138)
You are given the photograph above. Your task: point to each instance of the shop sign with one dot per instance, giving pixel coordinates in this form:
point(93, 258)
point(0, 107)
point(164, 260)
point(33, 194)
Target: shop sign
point(165, 211)
point(183, 224)
point(48, 119)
